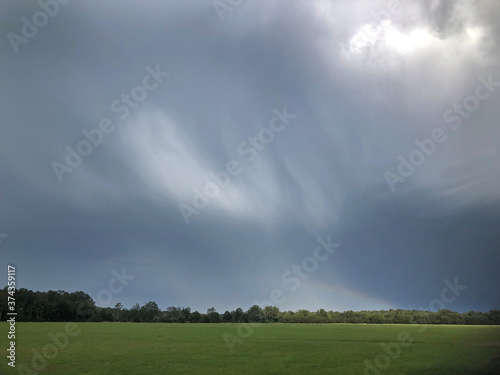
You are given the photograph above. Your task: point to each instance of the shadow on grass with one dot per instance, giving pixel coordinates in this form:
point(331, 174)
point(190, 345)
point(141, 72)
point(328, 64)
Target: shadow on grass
point(490, 368)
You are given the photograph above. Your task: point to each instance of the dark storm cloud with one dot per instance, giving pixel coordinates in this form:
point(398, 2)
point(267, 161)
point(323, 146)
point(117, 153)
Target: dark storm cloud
point(323, 174)
point(442, 16)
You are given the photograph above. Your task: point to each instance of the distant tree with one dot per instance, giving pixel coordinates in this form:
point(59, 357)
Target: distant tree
point(213, 316)
point(172, 314)
point(195, 317)
point(85, 309)
point(150, 312)
point(270, 314)
point(238, 315)
point(334, 317)
point(117, 311)
point(104, 314)
point(254, 314)
point(59, 306)
point(25, 300)
point(348, 316)
point(455, 318)
point(402, 317)
point(286, 316)
point(186, 314)
point(4, 308)
point(376, 318)
point(421, 317)
point(227, 317)
point(64, 310)
point(445, 316)
point(322, 313)
point(494, 317)
point(135, 313)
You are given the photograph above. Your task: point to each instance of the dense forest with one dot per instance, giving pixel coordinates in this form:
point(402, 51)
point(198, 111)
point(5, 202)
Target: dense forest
point(61, 306)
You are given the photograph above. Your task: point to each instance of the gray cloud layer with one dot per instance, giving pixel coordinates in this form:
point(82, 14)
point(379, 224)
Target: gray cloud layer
point(362, 91)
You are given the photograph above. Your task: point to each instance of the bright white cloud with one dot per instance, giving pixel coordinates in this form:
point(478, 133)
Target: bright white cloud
point(167, 159)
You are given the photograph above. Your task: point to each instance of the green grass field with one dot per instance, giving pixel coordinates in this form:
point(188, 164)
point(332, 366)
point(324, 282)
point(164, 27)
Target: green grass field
point(128, 348)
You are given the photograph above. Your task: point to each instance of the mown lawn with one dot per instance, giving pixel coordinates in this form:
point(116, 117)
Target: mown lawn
point(128, 348)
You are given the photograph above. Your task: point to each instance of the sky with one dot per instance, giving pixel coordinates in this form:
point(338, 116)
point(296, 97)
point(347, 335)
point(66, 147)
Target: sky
point(308, 154)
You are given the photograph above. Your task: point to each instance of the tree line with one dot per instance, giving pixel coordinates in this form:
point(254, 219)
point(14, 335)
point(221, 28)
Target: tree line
point(61, 306)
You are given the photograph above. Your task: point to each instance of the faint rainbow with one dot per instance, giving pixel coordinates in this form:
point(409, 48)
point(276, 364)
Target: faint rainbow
point(359, 296)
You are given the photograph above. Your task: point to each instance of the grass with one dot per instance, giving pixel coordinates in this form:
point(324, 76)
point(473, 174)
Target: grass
point(128, 348)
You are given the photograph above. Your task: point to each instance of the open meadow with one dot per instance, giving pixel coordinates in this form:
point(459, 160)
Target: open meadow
point(155, 348)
